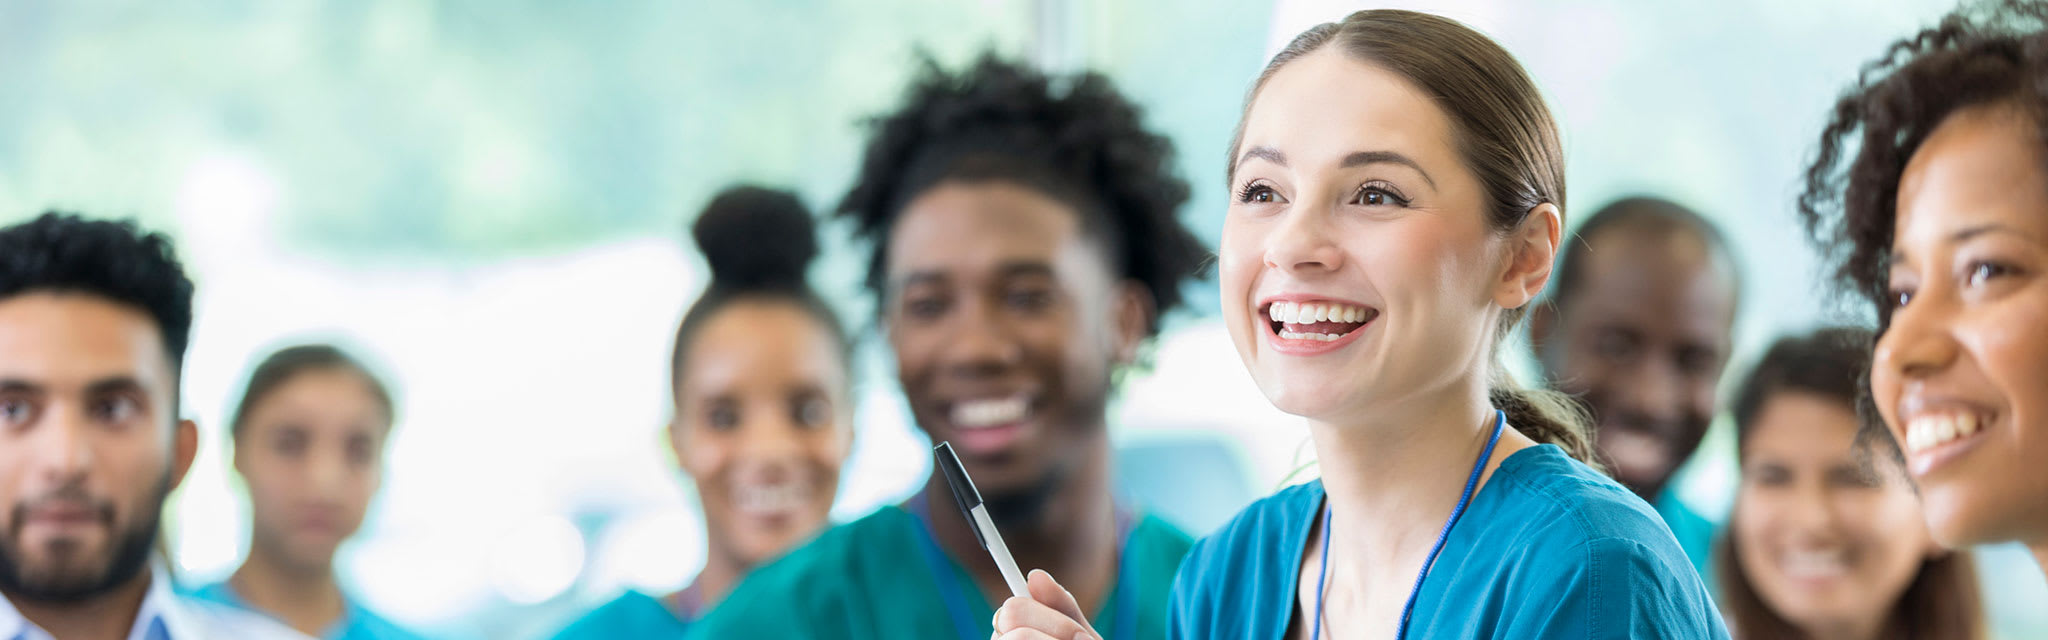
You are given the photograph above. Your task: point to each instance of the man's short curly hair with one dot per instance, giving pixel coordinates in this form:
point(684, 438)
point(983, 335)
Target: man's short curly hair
point(61, 252)
point(1083, 145)
point(1978, 55)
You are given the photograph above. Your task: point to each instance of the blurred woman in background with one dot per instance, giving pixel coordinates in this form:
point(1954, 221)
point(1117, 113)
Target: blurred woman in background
point(763, 416)
point(309, 440)
point(1930, 194)
point(1824, 543)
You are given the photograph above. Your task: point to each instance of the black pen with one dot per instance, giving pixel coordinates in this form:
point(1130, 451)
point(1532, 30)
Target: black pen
point(977, 517)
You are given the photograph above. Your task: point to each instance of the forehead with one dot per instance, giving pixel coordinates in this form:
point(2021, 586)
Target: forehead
point(1982, 164)
point(981, 226)
point(765, 342)
point(322, 387)
point(70, 339)
point(1669, 272)
point(1326, 105)
point(1803, 425)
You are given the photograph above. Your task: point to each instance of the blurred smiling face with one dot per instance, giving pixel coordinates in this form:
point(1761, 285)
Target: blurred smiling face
point(1824, 542)
point(311, 451)
point(1961, 374)
point(1356, 262)
point(763, 424)
point(88, 449)
point(1006, 322)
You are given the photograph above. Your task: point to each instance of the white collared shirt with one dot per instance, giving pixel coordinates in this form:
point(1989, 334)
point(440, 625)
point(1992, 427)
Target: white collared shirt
point(165, 615)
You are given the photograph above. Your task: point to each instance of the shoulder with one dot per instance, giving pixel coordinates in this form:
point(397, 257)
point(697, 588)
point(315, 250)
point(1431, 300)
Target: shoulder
point(1569, 502)
point(1252, 532)
point(364, 624)
point(1602, 553)
point(780, 598)
point(628, 614)
point(1244, 568)
point(197, 618)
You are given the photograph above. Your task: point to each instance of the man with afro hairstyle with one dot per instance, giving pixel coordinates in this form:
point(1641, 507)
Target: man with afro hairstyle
point(1024, 245)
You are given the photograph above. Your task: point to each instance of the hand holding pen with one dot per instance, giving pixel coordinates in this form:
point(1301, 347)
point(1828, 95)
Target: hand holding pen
point(1038, 609)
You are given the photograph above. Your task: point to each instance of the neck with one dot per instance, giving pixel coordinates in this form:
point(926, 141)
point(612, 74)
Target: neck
point(109, 615)
point(2040, 550)
point(1850, 629)
point(1406, 465)
point(305, 597)
point(721, 571)
point(1072, 535)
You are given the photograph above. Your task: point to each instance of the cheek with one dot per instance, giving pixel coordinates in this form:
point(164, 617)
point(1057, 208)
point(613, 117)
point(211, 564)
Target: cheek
point(705, 456)
point(2007, 340)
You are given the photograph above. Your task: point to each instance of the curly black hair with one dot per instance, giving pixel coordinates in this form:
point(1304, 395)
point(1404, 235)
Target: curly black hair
point(1085, 146)
point(115, 260)
point(1978, 55)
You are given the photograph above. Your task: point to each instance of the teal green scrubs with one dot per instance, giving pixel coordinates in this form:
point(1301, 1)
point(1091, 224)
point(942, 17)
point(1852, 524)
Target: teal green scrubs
point(634, 615)
point(881, 577)
point(1548, 548)
point(356, 623)
point(1695, 532)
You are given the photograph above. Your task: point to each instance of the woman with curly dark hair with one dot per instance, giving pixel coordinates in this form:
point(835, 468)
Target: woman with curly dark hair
point(1930, 196)
point(1024, 245)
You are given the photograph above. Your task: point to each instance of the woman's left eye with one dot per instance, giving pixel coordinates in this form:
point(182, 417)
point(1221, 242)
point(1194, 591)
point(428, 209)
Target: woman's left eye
point(1982, 271)
point(1372, 196)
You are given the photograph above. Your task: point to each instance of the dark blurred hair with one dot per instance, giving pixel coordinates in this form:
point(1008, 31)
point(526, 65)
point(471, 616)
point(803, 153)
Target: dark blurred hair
point(64, 253)
point(1942, 601)
point(758, 243)
point(1645, 213)
point(1000, 121)
point(1505, 135)
point(287, 363)
point(1979, 55)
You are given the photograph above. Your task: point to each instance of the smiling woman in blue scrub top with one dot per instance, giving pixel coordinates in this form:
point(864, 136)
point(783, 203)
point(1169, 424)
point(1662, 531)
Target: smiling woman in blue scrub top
point(763, 417)
point(309, 442)
point(1399, 193)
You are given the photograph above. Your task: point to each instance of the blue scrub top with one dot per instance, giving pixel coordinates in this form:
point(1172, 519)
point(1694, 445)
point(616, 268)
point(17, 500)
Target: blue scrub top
point(1548, 548)
point(634, 615)
point(356, 623)
point(1695, 533)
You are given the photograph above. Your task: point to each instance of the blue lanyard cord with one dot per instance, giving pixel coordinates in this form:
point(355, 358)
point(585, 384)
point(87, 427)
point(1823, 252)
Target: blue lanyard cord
point(1123, 601)
point(1500, 424)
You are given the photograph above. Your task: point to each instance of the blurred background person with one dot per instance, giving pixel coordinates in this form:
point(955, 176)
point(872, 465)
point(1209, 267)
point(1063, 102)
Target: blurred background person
point(763, 407)
point(309, 439)
point(1024, 244)
point(1638, 326)
point(94, 320)
point(1826, 542)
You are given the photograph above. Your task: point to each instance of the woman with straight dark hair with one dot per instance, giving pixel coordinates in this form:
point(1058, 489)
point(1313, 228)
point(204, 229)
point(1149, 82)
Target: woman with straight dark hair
point(309, 438)
point(1823, 542)
point(1399, 201)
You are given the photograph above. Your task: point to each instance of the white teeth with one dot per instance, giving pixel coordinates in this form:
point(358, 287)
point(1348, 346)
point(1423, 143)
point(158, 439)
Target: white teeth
point(1324, 337)
point(1815, 564)
point(1297, 313)
point(770, 499)
point(976, 414)
point(1929, 431)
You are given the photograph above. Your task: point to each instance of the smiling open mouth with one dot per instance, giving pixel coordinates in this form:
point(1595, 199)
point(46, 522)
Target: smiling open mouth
point(1318, 321)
